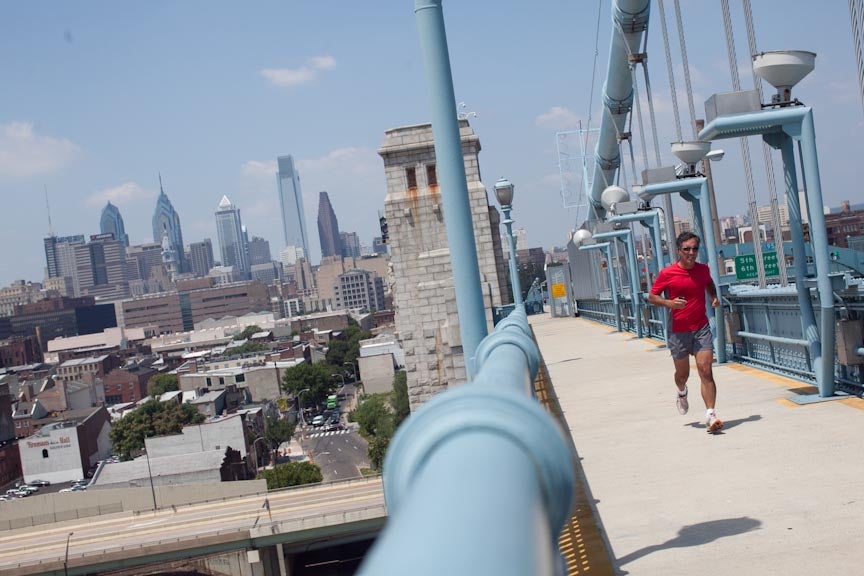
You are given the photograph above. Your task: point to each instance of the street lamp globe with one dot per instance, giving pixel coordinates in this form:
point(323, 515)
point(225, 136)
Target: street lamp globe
point(504, 192)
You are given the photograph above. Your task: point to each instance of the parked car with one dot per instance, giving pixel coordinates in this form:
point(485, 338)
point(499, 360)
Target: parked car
point(39, 483)
point(318, 420)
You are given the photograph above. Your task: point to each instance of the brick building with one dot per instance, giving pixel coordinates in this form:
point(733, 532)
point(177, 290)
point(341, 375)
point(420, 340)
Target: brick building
point(127, 384)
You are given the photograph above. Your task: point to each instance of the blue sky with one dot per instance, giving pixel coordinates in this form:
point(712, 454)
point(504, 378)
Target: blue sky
point(99, 97)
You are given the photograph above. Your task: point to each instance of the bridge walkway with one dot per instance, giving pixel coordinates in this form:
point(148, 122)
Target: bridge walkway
point(777, 492)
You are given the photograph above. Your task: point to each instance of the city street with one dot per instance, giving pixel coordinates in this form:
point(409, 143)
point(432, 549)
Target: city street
point(340, 454)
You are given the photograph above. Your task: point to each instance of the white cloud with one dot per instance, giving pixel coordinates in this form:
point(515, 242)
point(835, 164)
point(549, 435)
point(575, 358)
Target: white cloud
point(126, 193)
point(350, 160)
point(23, 153)
point(558, 117)
point(301, 75)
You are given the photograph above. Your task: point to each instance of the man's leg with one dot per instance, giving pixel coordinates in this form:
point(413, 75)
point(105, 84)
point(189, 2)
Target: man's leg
point(704, 358)
point(682, 372)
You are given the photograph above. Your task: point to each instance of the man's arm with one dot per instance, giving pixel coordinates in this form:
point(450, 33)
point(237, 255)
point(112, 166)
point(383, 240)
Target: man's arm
point(658, 300)
point(711, 289)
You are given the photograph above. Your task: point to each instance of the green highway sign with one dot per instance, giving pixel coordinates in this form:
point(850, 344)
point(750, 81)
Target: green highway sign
point(745, 266)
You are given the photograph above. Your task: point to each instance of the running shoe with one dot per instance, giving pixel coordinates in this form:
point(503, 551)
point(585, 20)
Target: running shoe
point(713, 424)
point(682, 403)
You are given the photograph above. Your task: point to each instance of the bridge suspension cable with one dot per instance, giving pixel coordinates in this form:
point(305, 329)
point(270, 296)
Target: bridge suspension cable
point(856, 15)
point(745, 147)
point(767, 156)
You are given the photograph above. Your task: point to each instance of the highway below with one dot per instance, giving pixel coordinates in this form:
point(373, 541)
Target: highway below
point(38, 550)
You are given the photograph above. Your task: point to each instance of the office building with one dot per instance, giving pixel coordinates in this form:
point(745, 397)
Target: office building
point(266, 273)
point(290, 254)
point(291, 204)
point(259, 251)
point(350, 244)
point(201, 257)
point(166, 223)
point(144, 261)
point(111, 222)
point(59, 260)
point(230, 232)
point(359, 289)
point(328, 227)
point(378, 245)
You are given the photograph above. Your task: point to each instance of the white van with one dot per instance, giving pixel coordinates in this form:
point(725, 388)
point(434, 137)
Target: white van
point(318, 420)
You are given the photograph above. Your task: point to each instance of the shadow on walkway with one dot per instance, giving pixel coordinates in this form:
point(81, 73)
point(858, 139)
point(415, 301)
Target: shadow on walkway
point(727, 424)
point(697, 535)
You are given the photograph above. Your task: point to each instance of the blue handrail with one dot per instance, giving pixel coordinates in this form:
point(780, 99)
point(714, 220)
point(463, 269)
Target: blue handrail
point(480, 480)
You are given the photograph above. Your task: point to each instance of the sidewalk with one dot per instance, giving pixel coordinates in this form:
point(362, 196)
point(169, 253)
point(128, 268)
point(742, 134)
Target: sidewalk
point(778, 492)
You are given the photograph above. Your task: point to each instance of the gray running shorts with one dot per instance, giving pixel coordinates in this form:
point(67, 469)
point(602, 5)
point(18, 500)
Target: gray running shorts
point(683, 344)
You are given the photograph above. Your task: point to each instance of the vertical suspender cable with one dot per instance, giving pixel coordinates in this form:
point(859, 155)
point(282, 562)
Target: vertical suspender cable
point(766, 155)
point(686, 66)
point(745, 147)
point(857, 18)
point(670, 70)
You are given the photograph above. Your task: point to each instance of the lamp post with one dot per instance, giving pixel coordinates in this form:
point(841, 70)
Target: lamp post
point(66, 556)
point(353, 369)
point(504, 194)
point(300, 405)
point(256, 453)
point(150, 474)
point(340, 376)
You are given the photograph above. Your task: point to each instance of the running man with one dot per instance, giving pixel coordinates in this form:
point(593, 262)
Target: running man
point(685, 283)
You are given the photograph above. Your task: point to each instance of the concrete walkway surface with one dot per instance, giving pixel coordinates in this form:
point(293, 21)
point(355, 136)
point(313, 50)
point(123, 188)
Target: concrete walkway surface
point(779, 491)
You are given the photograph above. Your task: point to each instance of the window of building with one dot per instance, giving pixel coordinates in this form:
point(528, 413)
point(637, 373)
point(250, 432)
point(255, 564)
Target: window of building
point(431, 175)
point(240, 378)
point(411, 175)
point(44, 453)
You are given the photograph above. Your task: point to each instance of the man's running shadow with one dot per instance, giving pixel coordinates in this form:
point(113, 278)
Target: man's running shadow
point(697, 535)
point(727, 424)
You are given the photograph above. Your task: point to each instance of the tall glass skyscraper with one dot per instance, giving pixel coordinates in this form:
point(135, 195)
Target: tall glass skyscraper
point(166, 222)
point(111, 222)
point(231, 237)
point(328, 227)
point(291, 202)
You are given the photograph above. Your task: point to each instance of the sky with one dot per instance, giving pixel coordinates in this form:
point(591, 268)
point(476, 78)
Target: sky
point(100, 97)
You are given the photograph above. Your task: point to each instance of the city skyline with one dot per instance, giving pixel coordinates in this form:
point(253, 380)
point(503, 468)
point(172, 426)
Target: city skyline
point(213, 118)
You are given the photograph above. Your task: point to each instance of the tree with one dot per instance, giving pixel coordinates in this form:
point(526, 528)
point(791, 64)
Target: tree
point(161, 383)
point(247, 332)
point(316, 377)
point(399, 398)
point(377, 450)
point(153, 418)
point(277, 431)
point(292, 474)
point(374, 416)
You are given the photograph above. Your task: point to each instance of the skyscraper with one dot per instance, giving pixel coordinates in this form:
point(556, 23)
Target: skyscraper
point(111, 222)
point(328, 227)
point(201, 257)
point(230, 232)
point(259, 251)
point(350, 243)
point(166, 222)
point(291, 202)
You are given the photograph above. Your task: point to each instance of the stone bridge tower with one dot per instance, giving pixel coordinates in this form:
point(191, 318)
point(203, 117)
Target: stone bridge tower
point(424, 297)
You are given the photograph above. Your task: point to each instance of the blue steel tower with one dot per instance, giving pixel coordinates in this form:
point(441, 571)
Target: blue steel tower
point(166, 222)
point(111, 222)
point(291, 203)
point(232, 237)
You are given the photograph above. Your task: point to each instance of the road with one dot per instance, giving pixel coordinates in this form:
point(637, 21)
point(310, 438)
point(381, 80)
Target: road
point(340, 455)
point(97, 535)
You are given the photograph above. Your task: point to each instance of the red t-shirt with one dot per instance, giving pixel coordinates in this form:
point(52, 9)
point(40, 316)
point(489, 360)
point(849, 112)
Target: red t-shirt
point(690, 285)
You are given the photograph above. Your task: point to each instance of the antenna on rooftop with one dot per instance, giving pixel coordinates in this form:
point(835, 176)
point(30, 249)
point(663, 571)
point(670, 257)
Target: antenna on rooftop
point(161, 191)
point(48, 208)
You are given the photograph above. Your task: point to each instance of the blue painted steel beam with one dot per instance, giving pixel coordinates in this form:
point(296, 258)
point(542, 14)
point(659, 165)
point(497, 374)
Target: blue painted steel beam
point(635, 287)
point(451, 175)
point(630, 19)
point(613, 284)
point(796, 122)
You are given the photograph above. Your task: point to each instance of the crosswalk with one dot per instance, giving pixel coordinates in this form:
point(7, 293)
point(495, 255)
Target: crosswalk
point(331, 433)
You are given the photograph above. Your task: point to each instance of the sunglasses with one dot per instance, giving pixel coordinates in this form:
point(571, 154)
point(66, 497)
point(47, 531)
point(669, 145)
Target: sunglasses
point(696, 249)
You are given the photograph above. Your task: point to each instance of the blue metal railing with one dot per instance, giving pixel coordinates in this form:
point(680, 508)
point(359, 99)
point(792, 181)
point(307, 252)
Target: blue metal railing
point(480, 480)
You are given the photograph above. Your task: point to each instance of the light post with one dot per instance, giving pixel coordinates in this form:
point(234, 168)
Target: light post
point(66, 557)
point(256, 453)
point(150, 474)
point(504, 194)
point(300, 405)
point(353, 369)
point(340, 376)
